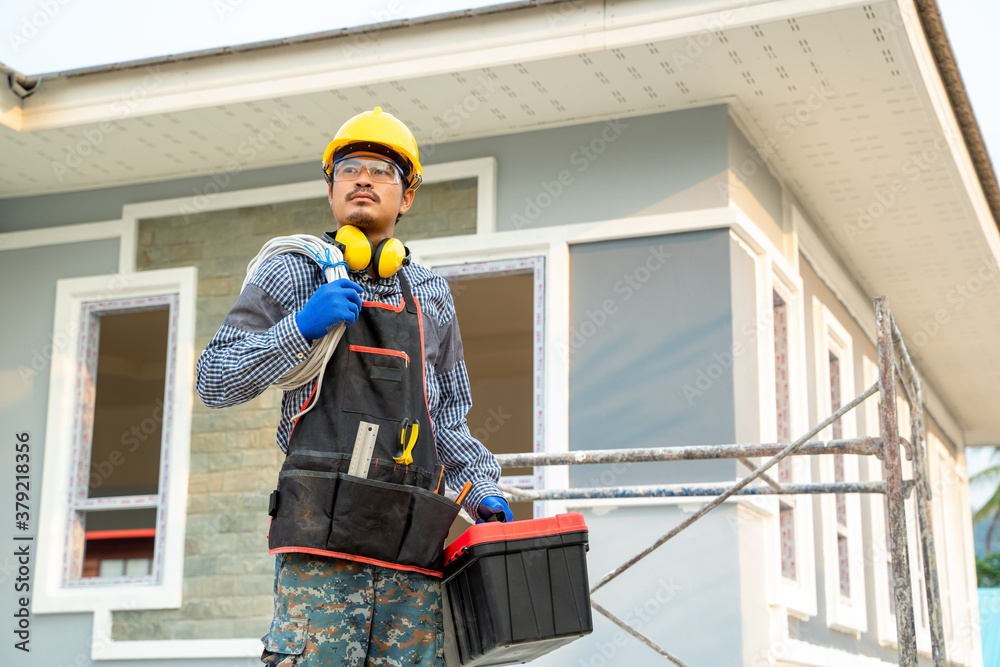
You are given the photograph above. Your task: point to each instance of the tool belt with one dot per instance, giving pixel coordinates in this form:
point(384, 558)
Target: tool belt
point(361, 481)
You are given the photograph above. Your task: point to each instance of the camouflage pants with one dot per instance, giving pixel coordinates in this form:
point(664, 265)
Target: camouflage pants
point(329, 611)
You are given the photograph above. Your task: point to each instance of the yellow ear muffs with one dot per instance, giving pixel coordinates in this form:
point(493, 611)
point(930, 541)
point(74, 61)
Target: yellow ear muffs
point(358, 249)
point(359, 253)
point(390, 255)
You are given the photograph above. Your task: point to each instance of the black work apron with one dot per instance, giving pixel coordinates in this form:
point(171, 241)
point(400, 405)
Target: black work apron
point(396, 515)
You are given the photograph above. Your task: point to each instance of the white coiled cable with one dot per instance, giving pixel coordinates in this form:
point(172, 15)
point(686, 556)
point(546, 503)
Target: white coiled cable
point(330, 258)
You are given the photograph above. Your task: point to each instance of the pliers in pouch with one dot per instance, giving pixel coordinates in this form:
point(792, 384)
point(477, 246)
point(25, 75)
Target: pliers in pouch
point(407, 439)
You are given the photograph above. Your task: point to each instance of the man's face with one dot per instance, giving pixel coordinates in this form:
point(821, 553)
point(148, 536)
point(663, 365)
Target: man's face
point(359, 197)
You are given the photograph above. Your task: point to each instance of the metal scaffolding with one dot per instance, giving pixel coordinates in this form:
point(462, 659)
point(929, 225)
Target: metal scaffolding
point(893, 362)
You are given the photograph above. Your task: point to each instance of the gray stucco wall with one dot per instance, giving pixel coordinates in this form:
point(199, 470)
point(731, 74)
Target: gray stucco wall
point(595, 171)
point(685, 596)
point(753, 188)
point(646, 317)
point(27, 299)
point(642, 165)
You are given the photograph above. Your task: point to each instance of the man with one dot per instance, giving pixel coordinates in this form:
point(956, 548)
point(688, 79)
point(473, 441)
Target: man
point(358, 538)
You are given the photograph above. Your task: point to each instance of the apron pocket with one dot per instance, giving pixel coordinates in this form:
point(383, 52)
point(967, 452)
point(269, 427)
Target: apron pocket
point(304, 503)
point(376, 382)
point(368, 518)
point(430, 518)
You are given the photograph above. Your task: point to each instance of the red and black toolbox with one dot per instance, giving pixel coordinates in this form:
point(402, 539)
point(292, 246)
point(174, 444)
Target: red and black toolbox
point(518, 590)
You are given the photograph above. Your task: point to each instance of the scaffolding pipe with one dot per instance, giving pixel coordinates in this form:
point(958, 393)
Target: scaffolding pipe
point(697, 490)
point(863, 446)
point(893, 359)
point(905, 631)
point(739, 485)
point(749, 465)
point(918, 435)
point(638, 635)
point(904, 365)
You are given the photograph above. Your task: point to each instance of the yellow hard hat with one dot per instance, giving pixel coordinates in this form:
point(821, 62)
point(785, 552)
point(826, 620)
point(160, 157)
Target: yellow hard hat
point(382, 129)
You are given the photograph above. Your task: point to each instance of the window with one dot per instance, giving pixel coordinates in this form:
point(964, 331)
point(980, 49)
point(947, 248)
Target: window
point(842, 542)
point(796, 562)
point(125, 349)
point(837, 430)
point(500, 310)
point(117, 443)
point(786, 504)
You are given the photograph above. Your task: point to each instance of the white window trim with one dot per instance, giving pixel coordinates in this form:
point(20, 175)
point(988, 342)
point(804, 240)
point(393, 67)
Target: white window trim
point(970, 584)
point(82, 443)
point(536, 267)
point(913, 545)
point(946, 480)
point(850, 615)
point(798, 597)
point(51, 596)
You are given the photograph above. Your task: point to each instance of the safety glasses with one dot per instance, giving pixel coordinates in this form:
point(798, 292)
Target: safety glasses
point(380, 171)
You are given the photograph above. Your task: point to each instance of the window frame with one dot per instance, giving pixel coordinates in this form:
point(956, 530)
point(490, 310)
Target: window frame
point(848, 615)
point(798, 596)
point(950, 551)
point(535, 265)
point(78, 300)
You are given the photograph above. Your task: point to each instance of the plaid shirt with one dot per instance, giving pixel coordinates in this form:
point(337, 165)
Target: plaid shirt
point(259, 342)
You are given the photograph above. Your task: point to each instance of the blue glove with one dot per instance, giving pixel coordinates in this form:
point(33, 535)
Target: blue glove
point(331, 304)
point(494, 508)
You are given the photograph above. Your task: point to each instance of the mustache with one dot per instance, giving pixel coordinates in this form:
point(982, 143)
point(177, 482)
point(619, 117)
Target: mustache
point(364, 191)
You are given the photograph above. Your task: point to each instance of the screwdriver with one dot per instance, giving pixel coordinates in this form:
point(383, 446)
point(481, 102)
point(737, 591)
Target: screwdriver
point(461, 494)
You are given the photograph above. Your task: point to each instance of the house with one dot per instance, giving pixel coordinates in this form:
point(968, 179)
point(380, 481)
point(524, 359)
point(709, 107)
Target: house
point(664, 223)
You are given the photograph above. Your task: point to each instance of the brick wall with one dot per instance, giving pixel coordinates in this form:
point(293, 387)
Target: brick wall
point(228, 574)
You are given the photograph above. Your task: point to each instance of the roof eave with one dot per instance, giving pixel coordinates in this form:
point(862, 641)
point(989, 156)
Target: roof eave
point(958, 97)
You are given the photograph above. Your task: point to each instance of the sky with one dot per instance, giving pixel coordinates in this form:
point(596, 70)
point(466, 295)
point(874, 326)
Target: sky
point(39, 36)
point(36, 33)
